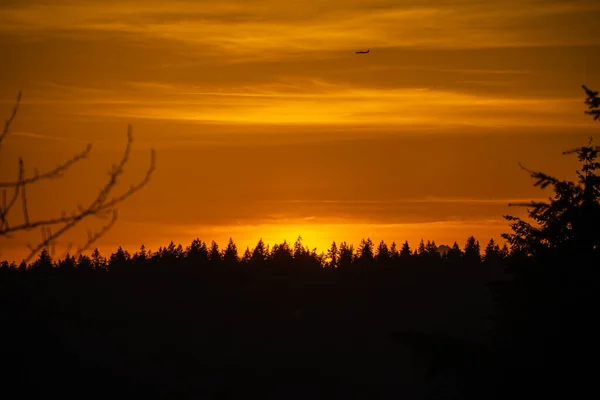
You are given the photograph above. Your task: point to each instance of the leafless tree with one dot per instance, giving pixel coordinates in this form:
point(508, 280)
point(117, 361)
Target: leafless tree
point(103, 206)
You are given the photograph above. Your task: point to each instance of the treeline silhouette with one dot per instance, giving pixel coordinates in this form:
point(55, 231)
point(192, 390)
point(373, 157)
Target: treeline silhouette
point(199, 321)
point(344, 257)
point(286, 322)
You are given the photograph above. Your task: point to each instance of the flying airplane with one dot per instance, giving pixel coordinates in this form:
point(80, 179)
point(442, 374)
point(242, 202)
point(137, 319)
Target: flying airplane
point(363, 52)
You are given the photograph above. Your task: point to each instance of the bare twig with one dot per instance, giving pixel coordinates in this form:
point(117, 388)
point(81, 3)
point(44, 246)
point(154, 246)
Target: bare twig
point(95, 237)
point(10, 120)
point(24, 205)
point(55, 173)
point(7, 207)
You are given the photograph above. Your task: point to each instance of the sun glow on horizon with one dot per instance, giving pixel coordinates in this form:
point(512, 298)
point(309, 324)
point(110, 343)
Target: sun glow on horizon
point(253, 106)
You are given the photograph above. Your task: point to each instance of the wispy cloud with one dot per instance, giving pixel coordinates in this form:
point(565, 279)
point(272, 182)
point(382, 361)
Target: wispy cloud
point(271, 29)
point(428, 200)
point(34, 135)
point(324, 103)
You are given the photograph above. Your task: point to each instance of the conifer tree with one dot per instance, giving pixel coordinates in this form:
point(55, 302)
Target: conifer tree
point(492, 252)
point(215, 253)
point(405, 252)
point(472, 252)
point(332, 256)
point(230, 255)
point(382, 254)
point(394, 253)
point(569, 220)
point(547, 307)
point(346, 255)
point(421, 250)
point(247, 257)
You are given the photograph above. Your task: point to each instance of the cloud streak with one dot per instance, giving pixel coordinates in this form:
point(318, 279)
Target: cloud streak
point(324, 103)
point(427, 200)
point(34, 135)
point(270, 29)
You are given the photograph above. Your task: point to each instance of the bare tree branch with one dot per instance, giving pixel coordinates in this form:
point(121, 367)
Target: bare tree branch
point(24, 205)
point(7, 207)
point(95, 237)
point(55, 173)
point(99, 207)
point(10, 120)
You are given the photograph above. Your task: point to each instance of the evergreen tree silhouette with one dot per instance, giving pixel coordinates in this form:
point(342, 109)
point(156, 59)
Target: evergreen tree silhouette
point(431, 250)
point(84, 263)
point(421, 250)
point(365, 254)
point(44, 263)
point(247, 257)
point(382, 255)
point(346, 256)
point(197, 254)
point(544, 325)
point(567, 222)
point(215, 254)
point(68, 263)
point(394, 253)
point(230, 255)
point(455, 254)
point(140, 258)
point(492, 253)
point(472, 252)
point(300, 251)
point(120, 259)
point(98, 261)
point(406, 252)
point(260, 253)
point(333, 256)
point(282, 254)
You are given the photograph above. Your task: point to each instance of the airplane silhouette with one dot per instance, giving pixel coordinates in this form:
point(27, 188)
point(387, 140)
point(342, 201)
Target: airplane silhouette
point(363, 52)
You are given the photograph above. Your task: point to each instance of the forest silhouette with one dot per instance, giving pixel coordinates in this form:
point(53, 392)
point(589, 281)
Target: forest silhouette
point(470, 321)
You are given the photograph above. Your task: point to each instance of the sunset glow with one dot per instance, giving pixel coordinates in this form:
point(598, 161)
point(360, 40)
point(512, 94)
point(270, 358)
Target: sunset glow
point(266, 124)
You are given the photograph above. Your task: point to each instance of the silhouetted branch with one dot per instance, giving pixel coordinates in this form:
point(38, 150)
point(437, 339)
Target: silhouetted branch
point(93, 238)
point(581, 149)
point(543, 180)
point(537, 204)
point(595, 113)
point(10, 120)
point(55, 173)
point(593, 101)
point(24, 205)
point(7, 207)
point(101, 207)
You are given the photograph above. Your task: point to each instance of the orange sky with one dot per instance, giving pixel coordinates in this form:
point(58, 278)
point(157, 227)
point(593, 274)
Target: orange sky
point(266, 124)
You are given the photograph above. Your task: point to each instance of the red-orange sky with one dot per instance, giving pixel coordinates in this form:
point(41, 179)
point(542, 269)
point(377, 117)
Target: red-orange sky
point(267, 124)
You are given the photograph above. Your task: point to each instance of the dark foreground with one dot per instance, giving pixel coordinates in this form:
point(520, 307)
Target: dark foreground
point(225, 334)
